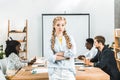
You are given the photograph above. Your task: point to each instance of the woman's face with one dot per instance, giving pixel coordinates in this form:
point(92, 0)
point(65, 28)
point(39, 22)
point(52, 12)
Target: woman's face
point(88, 45)
point(59, 26)
point(18, 47)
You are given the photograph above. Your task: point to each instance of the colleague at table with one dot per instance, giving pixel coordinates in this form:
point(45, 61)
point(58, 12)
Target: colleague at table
point(13, 61)
point(105, 59)
point(92, 50)
point(61, 52)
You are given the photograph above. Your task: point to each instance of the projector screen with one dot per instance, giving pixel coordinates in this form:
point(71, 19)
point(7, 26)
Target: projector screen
point(78, 26)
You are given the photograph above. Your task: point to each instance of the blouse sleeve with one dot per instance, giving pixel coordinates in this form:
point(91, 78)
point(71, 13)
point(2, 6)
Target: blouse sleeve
point(71, 52)
point(51, 56)
point(14, 62)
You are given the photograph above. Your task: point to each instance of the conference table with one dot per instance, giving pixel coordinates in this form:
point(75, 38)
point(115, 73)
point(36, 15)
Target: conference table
point(82, 73)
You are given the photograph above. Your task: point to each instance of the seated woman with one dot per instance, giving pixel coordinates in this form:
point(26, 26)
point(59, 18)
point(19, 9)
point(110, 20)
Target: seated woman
point(13, 61)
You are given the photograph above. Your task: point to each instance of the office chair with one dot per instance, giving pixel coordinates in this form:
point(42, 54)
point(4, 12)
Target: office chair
point(3, 63)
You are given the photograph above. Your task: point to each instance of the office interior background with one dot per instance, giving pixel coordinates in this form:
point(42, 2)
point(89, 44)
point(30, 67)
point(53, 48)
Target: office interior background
point(104, 17)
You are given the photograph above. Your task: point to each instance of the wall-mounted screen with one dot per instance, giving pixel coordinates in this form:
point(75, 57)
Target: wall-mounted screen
point(78, 25)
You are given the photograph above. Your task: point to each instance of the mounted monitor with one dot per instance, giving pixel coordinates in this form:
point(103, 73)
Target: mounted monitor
point(78, 25)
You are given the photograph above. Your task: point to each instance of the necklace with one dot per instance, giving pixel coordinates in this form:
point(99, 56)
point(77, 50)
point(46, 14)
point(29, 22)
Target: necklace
point(60, 40)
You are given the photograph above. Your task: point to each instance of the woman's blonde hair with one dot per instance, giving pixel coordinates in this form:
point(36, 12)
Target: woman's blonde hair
point(69, 45)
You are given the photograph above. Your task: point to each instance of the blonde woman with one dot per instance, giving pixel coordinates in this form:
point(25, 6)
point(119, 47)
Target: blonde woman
point(61, 52)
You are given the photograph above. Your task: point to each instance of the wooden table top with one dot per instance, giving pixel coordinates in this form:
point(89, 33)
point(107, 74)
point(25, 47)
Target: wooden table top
point(86, 73)
point(91, 73)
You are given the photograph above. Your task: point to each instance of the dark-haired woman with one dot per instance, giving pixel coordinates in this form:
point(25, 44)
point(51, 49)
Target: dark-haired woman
point(12, 53)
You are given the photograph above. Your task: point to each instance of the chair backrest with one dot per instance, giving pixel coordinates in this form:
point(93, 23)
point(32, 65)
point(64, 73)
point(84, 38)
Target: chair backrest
point(2, 76)
point(3, 65)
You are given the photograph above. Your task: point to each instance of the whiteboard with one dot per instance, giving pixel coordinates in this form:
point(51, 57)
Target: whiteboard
point(78, 26)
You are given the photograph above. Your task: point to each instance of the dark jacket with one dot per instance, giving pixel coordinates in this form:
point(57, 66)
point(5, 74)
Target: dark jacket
point(106, 61)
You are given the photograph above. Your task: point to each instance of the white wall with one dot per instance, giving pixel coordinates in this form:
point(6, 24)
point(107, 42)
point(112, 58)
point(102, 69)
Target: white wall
point(102, 17)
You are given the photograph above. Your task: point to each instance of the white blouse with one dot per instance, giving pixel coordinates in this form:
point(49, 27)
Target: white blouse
point(13, 64)
point(62, 64)
point(91, 53)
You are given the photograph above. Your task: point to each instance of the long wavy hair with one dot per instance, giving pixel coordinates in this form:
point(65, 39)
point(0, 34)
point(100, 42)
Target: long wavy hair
point(11, 47)
point(67, 38)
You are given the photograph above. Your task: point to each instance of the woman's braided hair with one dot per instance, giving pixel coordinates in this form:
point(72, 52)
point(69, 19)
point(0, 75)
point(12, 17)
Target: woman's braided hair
point(69, 45)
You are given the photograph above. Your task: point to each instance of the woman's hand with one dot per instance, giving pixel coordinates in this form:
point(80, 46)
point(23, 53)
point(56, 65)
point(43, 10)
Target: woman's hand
point(87, 62)
point(59, 57)
point(32, 61)
point(60, 54)
point(81, 57)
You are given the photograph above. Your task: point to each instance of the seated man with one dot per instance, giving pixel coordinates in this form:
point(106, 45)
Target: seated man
point(92, 50)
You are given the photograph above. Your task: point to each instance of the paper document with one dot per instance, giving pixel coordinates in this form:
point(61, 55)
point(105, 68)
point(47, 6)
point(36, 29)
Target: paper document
point(38, 70)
